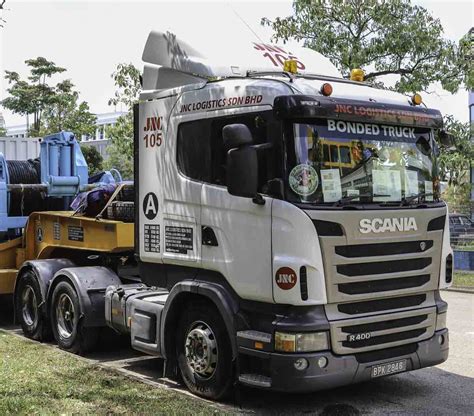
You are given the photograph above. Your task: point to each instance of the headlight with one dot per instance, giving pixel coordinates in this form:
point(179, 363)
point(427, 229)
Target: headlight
point(441, 321)
point(306, 342)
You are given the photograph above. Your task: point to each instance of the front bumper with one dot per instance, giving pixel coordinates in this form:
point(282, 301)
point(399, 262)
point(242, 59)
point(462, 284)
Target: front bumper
point(341, 369)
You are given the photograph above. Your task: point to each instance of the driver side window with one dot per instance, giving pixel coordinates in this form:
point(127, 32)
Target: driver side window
point(201, 154)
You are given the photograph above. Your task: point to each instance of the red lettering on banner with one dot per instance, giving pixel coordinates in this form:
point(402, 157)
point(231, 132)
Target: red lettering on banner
point(277, 55)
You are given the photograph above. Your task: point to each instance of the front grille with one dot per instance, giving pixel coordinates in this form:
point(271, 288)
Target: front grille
point(380, 286)
point(383, 267)
point(384, 339)
point(381, 326)
point(365, 266)
point(383, 249)
point(373, 286)
point(378, 305)
point(382, 331)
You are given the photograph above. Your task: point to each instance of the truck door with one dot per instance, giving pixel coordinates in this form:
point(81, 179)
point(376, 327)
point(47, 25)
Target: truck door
point(236, 233)
point(242, 232)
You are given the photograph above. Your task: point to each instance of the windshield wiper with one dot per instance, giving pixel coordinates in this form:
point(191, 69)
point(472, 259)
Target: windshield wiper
point(408, 200)
point(349, 198)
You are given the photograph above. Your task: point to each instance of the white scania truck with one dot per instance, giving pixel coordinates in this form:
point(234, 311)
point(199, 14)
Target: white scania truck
point(288, 234)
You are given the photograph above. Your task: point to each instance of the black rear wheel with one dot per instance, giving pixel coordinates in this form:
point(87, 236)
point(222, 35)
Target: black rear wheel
point(66, 322)
point(204, 351)
point(29, 308)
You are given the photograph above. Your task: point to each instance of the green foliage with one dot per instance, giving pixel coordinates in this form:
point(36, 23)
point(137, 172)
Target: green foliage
point(127, 81)
point(3, 132)
point(32, 96)
point(454, 165)
point(93, 158)
point(54, 107)
point(464, 69)
point(455, 162)
point(120, 149)
point(64, 113)
point(388, 37)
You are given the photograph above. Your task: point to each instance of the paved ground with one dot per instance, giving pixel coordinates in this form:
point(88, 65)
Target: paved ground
point(447, 389)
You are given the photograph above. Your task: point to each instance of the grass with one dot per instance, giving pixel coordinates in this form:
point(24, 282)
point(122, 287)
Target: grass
point(37, 379)
point(463, 279)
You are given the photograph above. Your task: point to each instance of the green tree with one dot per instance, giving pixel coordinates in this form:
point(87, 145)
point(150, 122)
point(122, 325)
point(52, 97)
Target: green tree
point(127, 81)
point(455, 163)
point(32, 96)
point(3, 132)
point(66, 113)
point(381, 37)
point(93, 158)
point(120, 149)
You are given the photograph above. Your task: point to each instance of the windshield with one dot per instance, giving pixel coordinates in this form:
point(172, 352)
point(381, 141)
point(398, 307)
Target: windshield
point(335, 160)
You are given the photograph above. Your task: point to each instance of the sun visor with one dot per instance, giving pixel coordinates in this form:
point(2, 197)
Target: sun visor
point(308, 107)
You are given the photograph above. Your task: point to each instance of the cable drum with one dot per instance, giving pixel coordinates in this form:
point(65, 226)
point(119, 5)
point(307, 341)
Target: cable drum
point(23, 171)
point(25, 201)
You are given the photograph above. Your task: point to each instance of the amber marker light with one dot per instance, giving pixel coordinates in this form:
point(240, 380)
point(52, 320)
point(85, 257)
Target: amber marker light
point(326, 89)
point(357, 74)
point(416, 99)
point(290, 66)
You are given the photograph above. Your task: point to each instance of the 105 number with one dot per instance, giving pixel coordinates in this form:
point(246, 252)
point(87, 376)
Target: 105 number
point(153, 140)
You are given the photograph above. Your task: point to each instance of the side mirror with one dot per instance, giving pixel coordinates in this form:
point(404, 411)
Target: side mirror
point(242, 161)
point(445, 138)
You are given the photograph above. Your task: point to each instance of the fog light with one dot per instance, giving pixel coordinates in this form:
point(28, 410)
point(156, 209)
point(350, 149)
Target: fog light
point(441, 340)
point(301, 364)
point(322, 362)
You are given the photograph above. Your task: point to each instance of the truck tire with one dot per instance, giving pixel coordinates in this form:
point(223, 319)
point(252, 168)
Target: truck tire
point(204, 352)
point(66, 321)
point(29, 308)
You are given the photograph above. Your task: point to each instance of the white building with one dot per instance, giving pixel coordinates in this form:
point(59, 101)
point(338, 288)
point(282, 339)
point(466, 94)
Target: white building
point(99, 140)
point(17, 132)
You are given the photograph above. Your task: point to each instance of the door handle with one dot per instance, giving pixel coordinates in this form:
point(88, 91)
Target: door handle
point(208, 236)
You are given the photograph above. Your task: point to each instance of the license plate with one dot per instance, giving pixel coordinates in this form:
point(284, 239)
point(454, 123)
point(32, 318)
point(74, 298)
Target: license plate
point(389, 368)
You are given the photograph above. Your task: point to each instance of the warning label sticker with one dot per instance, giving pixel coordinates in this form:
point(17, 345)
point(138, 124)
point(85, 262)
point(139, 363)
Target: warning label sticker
point(151, 238)
point(56, 231)
point(178, 239)
point(75, 233)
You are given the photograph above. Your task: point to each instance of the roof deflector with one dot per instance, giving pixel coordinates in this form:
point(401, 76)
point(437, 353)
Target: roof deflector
point(220, 59)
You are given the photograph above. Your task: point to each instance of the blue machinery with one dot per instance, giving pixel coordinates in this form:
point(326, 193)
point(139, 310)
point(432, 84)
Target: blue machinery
point(35, 185)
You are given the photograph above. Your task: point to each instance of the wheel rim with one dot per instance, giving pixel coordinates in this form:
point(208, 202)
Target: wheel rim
point(65, 314)
point(29, 306)
point(201, 350)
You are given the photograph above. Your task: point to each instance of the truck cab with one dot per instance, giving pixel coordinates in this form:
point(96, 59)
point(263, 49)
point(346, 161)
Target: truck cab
point(309, 204)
